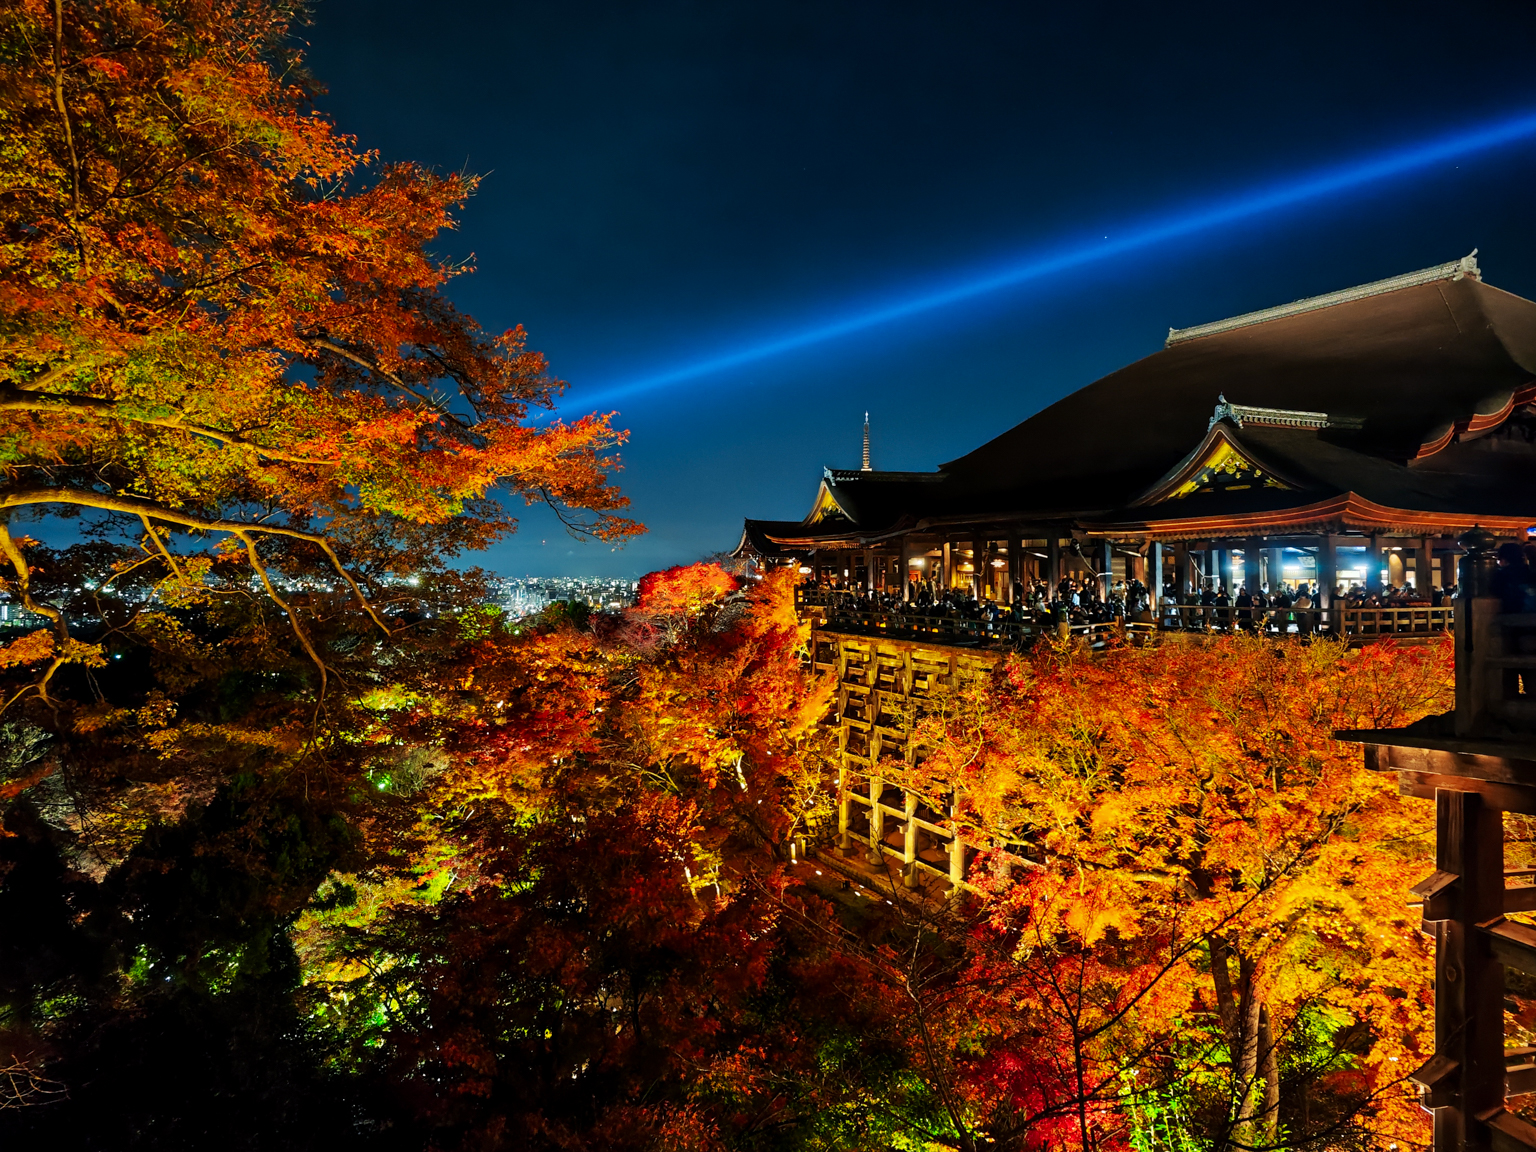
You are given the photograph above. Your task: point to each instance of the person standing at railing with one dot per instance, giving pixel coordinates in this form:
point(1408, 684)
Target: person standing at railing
point(1223, 610)
point(1244, 605)
point(1280, 603)
point(1303, 611)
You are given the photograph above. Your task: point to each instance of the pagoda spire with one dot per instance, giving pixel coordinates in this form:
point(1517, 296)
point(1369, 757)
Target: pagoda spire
point(865, 467)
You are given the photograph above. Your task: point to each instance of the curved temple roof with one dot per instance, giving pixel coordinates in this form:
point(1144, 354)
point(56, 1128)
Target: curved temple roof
point(1384, 391)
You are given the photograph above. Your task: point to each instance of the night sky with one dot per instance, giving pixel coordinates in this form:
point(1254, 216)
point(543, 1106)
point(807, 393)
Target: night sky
point(669, 182)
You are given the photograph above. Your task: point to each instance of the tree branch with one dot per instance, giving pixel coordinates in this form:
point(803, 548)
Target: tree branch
point(133, 506)
point(94, 407)
point(69, 133)
point(362, 362)
point(293, 619)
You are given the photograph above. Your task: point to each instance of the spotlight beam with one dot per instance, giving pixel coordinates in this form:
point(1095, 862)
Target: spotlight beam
point(962, 287)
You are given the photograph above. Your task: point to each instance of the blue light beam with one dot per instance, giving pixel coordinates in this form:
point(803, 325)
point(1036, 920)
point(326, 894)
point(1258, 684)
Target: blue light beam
point(1254, 202)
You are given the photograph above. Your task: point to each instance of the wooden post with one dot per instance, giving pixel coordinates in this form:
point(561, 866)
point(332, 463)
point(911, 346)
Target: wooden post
point(904, 568)
point(1252, 549)
point(978, 568)
point(1276, 569)
point(1015, 565)
point(843, 804)
point(1469, 983)
point(1107, 560)
point(1155, 576)
point(1424, 569)
point(876, 813)
point(956, 846)
point(909, 844)
point(1327, 579)
point(1373, 565)
point(1053, 562)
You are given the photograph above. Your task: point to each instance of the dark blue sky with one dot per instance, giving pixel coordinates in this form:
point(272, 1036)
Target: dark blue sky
point(669, 181)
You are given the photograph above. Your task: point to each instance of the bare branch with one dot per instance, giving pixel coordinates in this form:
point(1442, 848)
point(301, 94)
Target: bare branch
point(134, 506)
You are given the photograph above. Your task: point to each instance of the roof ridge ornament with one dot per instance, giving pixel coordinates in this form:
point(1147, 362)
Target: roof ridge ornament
point(1454, 270)
point(1241, 414)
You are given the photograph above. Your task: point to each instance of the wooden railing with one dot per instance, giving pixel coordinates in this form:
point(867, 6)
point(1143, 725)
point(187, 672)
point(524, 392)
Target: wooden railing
point(845, 612)
point(1351, 622)
point(963, 631)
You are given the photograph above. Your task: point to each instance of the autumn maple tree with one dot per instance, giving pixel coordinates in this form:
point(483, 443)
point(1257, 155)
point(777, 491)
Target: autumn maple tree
point(1198, 924)
point(217, 315)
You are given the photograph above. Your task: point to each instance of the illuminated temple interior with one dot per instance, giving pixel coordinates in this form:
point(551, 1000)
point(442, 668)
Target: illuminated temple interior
point(1344, 441)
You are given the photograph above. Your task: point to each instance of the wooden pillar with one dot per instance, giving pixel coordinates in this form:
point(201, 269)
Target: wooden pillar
point(1015, 565)
point(876, 813)
point(1216, 566)
point(1328, 581)
point(1154, 579)
point(947, 566)
point(1252, 552)
point(1424, 576)
point(1469, 983)
point(843, 805)
point(1107, 563)
point(1373, 564)
point(1276, 569)
point(978, 568)
point(956, 846)
point(909, 843)
point(1053, 562)
point(904, 568)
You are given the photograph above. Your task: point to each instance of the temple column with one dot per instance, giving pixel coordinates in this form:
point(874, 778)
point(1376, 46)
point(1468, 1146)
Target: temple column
point(979, 568)
point(1107, 560)
point(1276, 568)
point(869, 572)
point(1373, 565)
point(904, 568)
point(1216, 566)
point(1252, 551)
point(1053, 562)
point(947, 564)
point(1015, 565)
point(1327, 576)
point(1154, 580)
point(1424, 581)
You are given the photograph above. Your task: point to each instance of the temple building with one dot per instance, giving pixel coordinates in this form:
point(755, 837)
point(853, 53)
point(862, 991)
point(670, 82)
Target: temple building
point(1344, 441)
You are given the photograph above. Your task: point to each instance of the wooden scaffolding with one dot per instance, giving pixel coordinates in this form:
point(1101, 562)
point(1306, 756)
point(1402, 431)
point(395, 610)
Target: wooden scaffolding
point(1476, 764)
point(884, 686)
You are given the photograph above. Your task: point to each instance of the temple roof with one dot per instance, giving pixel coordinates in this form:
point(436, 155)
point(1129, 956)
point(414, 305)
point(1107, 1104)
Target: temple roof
point(1401, 363)
point(1382, 391)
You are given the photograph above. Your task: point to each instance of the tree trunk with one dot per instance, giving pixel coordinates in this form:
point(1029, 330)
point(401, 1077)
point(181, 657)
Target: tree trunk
point(1270, 1118)
point(1247, 1056)
point(1226, 1002)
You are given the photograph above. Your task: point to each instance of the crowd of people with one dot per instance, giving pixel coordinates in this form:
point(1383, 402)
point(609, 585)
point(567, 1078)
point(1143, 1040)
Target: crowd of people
point(1284, 608)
